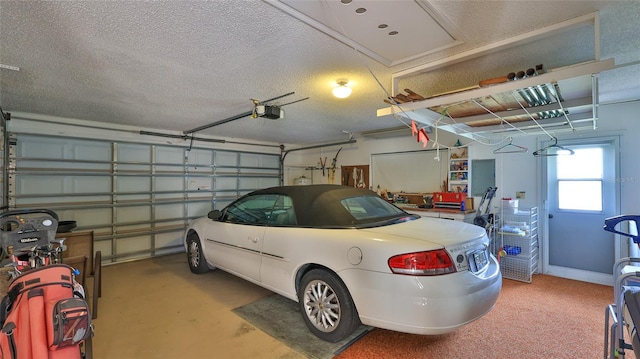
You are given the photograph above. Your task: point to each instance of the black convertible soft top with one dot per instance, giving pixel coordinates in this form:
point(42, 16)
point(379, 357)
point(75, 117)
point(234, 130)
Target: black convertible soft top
point(319, 205)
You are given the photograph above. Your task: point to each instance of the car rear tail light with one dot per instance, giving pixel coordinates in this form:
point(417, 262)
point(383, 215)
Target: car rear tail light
point(422, 263)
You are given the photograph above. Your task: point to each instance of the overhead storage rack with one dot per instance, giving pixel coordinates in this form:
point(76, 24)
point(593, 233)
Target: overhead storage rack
point(508, 109)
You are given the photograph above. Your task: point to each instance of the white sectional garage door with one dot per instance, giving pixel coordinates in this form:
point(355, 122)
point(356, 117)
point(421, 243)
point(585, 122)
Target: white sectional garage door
point(137, 198)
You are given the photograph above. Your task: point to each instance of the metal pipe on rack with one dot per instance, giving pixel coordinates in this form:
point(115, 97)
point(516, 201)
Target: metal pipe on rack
point(554, 92)
point(538, 89)
point(527, 98)
point(528, 93)
point(524, 94)
point(543, 94)
point(535, 96)
point(549, 93)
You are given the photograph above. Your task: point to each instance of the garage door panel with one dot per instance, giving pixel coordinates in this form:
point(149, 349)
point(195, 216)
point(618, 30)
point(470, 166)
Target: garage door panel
point(169, 184)
point(200, 157)
point(40, 185)
point(133, 244)
point(258, 182)
point(40, 147)
point(169, 211)
point(91, 217)
point(31, 184)
point(226, 183)
point(133, 214)
point(259, 160)
point(104, 247)
point(129, 152)
point(132, 184)
point(62, 148)
point(131, 198)
point(133, 169)
point(224, 158)
point(90, 184)
point(198, 209)
point(90, 150)
point(31, 202)
point(169, 240)
point(200, 183)
point(68, 165)
point(257, 171)
point(201, 170)
point(166, 154)
point(132, 195)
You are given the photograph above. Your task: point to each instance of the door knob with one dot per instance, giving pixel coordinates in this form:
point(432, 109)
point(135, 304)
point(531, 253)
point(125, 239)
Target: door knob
point(550, 215)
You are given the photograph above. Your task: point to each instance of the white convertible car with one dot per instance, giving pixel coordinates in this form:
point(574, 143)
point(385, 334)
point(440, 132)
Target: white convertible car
point(348, 256)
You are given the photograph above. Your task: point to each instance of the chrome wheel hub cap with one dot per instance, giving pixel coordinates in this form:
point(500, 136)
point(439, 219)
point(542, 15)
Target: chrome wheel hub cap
point(194, 254)
point(322, 306)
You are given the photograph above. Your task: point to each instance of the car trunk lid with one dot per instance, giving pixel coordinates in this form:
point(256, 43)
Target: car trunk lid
point(438, 231)
point(466, 243)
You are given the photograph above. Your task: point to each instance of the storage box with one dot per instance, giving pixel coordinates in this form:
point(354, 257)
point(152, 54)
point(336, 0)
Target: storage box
point(510, 205)
point(469, 203)
point(451, 200)
point(449, 197)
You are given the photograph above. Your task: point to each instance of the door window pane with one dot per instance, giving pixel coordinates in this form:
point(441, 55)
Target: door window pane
point(585, 163)
point(580, 195)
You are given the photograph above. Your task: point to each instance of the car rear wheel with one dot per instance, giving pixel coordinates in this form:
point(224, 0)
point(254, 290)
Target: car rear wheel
point(326, 306)
point(196, 260)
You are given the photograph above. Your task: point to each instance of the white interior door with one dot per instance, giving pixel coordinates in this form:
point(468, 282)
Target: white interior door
point(581, 193)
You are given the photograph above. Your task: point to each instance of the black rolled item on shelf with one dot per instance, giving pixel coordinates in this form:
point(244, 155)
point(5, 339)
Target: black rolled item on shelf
point(66, 226)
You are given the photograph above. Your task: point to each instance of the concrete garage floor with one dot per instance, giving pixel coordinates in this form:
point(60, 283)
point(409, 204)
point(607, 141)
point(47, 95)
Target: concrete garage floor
point(156, 308)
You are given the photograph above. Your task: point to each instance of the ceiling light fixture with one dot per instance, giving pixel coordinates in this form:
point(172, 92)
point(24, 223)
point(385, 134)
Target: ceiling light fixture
point(342, 90)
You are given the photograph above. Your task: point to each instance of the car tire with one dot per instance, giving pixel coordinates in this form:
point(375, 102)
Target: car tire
point(326, 306)
point(195, 258)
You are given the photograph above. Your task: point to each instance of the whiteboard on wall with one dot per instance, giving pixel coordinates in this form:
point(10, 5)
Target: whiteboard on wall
point(410, 171)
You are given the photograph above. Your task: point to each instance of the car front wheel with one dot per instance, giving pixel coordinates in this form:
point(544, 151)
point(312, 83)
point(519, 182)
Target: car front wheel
point(326, 306)
point(196, 260)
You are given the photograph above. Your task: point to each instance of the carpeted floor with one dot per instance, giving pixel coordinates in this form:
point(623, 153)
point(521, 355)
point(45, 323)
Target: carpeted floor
point(550, 318)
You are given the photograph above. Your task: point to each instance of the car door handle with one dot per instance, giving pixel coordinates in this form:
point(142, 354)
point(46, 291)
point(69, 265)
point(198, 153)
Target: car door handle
point(254, 239)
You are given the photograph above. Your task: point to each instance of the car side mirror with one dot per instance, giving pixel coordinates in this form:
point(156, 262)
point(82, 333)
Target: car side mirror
point(215, 214)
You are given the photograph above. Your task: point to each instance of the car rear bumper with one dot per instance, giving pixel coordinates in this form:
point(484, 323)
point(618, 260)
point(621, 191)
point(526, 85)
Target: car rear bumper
point(423, 305)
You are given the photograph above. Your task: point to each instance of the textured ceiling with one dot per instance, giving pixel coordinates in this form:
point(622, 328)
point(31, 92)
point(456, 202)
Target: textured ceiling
point(380, 29)
point(177, 65)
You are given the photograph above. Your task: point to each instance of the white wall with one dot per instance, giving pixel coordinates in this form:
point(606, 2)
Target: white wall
point(624, 119)
point(358, 153)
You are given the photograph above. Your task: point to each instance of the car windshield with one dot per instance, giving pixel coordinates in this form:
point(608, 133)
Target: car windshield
point(366, 209)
